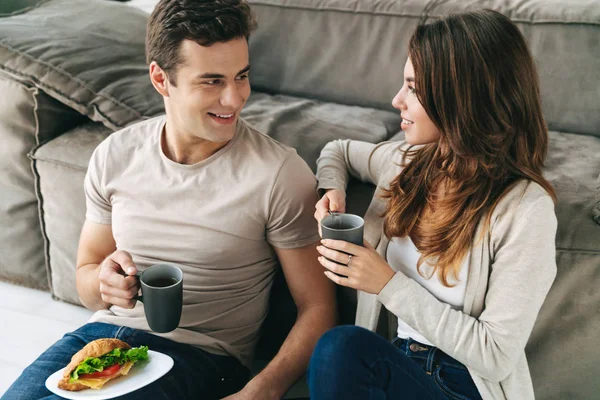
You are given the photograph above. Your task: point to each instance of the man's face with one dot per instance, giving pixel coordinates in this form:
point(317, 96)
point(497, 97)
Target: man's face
point(211, 89)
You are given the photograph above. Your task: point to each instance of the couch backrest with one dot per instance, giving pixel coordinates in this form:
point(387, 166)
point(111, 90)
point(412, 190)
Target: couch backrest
point(353, 51)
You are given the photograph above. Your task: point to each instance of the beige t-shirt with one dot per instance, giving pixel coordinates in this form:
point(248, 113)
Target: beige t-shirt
point(217, 220)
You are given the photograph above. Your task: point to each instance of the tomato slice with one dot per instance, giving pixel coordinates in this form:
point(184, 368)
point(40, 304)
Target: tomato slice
point(106, 372)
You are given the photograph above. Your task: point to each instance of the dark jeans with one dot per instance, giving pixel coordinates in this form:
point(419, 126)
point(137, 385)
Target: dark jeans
point(196, 374)
point(350, 362)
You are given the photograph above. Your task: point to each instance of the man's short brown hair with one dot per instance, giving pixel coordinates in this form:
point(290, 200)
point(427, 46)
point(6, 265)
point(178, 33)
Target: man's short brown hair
point(206, 22)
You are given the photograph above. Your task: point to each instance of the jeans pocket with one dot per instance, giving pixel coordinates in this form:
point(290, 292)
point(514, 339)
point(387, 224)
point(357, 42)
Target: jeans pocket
point(456, 383)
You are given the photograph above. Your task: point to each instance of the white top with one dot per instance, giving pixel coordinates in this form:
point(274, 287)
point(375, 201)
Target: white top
point(402, 255)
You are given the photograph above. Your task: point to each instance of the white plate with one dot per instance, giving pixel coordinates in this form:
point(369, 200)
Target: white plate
point(140, 375)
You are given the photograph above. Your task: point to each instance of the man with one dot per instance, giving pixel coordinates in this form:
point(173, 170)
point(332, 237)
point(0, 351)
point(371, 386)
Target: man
point(201, 189)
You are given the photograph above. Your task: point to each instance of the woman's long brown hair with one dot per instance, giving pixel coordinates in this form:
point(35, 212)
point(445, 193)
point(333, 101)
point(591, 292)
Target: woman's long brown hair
point(477, 81)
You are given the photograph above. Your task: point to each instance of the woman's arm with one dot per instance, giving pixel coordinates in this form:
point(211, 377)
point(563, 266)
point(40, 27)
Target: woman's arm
point(366, 161)
point(521, 275)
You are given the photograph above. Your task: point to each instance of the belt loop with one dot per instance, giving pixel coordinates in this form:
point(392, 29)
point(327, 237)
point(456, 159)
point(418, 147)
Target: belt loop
point(430, 358)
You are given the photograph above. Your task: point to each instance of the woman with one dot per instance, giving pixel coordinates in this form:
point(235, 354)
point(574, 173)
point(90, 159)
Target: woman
point(460, 235)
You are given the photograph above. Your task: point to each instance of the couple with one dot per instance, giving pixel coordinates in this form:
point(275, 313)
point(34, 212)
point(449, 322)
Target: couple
point(459, 249)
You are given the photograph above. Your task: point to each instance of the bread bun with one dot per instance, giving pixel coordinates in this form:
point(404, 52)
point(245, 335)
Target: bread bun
point(96, 348)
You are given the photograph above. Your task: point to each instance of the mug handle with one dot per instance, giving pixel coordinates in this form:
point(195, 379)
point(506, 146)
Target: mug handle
point(139, 276)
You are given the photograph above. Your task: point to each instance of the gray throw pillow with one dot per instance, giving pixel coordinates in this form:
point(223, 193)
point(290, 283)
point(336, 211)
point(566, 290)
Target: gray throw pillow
point(88, 54)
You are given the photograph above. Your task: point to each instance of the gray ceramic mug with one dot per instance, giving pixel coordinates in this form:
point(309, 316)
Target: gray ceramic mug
point(162, 295)
point(346, 227)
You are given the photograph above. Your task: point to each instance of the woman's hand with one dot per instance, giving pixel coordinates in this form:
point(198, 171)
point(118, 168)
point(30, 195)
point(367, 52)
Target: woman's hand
point(334, 200)
point(363, 268)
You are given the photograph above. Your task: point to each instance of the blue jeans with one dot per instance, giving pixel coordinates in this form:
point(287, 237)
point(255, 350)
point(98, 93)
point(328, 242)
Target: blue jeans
point(196, 374)
point(350, 362)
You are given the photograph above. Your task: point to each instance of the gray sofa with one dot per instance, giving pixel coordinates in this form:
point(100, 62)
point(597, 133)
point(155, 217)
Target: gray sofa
point(73, 71)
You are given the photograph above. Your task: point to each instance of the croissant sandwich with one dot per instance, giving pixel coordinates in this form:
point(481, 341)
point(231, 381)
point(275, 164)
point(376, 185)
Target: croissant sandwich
point(99, 362)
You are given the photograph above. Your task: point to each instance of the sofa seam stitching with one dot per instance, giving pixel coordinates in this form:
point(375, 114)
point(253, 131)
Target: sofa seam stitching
point(418, 16)
point(42, 221)
point(56, 162)
point(576, 251)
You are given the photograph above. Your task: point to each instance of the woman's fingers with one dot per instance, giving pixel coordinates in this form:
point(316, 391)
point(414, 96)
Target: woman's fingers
point(319, 215)
point(333, 255)
point(337, 201)
point(322, 208)
point(342, 245)
point(333, 200)
point(334, 267)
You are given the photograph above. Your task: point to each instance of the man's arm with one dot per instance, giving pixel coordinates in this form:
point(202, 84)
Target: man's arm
point(100, 269)
point(314, 296)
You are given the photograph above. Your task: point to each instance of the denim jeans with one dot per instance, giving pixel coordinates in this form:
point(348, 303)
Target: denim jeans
point(196, 374)
point(350, 362)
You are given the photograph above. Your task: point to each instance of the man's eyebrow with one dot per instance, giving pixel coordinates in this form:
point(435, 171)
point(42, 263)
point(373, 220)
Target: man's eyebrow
point(244, 70)
point(212, 75)
point(209, 75)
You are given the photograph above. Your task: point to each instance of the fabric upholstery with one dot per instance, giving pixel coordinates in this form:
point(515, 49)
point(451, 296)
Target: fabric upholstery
point(572, 166)
point(61, 166)
point(563, 349)
point(353, 51)
point(27, 118)
point(94, 65)
point(308, 125)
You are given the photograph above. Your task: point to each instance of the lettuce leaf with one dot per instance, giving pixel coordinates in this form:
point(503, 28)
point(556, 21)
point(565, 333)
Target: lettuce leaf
point(116, 356)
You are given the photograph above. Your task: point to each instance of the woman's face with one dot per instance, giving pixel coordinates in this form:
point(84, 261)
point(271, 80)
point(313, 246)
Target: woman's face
point(416, 124)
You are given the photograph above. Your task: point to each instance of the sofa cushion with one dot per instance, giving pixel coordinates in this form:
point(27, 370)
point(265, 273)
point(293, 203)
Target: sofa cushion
point(61, 165)
point(308, 125)
point(572, 167)
point(27, 118)
point(353, 51)
point(94, 65)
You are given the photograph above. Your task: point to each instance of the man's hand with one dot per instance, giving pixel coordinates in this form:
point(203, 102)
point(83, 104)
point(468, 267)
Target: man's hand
point(118, 284)
point(104, 274)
